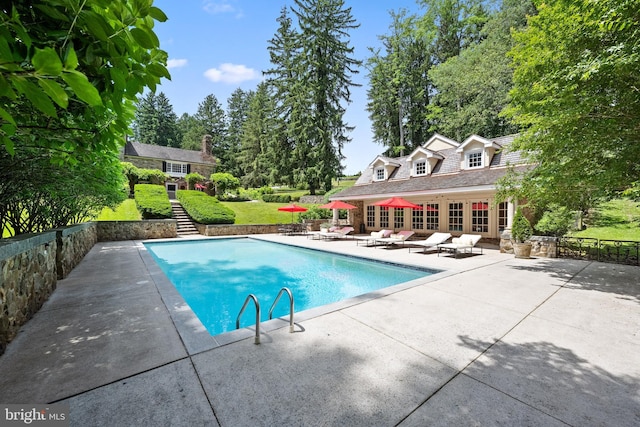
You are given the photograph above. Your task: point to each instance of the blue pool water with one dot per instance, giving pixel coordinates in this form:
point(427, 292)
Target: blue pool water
point(215, 276)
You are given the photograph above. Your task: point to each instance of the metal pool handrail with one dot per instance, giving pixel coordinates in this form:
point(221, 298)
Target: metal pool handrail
point(246, 301)
point(290, 306)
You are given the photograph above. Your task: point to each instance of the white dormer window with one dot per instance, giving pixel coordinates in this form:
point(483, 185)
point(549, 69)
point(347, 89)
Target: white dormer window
point(421, 167)
point(379, 174)
point(474, 159)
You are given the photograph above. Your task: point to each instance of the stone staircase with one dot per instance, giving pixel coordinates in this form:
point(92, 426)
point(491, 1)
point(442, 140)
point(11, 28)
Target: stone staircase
point(186, 227)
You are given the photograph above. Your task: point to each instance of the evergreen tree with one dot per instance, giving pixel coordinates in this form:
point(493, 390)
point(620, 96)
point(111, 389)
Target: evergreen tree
point(237, 112)
point(168, 133)
point(146, 125)
point(211, 118)
point(155, 121)
point(192, 132)
point(290, 98)
point(326, 65)
point(255, 158)
point(399, 90)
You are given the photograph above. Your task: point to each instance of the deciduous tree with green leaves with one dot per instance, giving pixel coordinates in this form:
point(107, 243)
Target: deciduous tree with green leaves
point(577, 95)
point(70, 72)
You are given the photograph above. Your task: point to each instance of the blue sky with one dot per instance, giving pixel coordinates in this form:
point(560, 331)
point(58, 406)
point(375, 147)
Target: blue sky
point(216, 46)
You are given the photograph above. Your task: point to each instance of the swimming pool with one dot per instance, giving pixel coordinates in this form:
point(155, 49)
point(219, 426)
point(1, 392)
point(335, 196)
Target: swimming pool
point(215, 277)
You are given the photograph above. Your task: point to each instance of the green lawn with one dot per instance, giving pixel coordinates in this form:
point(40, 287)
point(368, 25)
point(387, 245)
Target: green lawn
point(259, 212)
point(614, 220)
point(127, 211)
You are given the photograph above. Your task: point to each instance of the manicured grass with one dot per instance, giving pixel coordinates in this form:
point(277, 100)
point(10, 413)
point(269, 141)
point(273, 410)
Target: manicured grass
point(614, 220)
point(259, 212)
point(127, 211)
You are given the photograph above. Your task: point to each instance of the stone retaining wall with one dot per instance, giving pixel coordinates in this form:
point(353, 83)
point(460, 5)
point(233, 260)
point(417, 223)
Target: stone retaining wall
point(541, 246)
point(27, 278)
point(235, 230)
point(73, 243)
point(113, 231)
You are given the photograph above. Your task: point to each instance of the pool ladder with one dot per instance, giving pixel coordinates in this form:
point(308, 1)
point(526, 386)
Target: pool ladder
point(273, 306)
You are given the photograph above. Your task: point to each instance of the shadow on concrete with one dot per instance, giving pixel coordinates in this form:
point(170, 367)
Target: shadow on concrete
point(557, 381)
point(595, 276)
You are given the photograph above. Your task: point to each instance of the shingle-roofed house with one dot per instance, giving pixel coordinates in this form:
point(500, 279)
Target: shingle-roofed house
point(454, 182)
point(175, 162)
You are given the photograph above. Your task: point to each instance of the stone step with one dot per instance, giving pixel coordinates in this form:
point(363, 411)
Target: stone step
point(185, 225)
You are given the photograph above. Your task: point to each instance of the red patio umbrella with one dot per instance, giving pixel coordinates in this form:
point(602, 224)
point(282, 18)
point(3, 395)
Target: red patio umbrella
point(292, 208)
point(337, 204)
point(397, 202)
point(480, 206)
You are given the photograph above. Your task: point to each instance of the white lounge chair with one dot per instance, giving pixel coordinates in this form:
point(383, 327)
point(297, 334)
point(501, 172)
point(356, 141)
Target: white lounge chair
point(431, 242)
point(397, 238)
point(461, 244)
point(370, 240)
point(338, 233)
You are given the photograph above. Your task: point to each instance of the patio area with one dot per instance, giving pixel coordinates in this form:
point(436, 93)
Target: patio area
point(491, 340)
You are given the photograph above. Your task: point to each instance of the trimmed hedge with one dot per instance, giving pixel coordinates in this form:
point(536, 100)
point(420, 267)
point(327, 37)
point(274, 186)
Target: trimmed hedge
point(276, 198)
point(205, 209)
point(152, 201)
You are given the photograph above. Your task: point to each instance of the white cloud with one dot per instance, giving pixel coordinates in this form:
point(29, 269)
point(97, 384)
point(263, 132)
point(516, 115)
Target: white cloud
point(231, 73)
point(215, 7)
point(176, 63)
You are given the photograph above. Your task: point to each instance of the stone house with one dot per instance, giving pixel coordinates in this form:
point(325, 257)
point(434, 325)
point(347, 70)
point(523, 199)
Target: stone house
point(175, 162)
point(454, 182)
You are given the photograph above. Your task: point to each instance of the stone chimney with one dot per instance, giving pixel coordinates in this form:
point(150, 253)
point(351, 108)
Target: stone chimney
point(206, 145)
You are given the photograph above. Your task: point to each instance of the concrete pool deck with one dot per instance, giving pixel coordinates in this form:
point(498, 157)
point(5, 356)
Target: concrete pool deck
point(492, 340)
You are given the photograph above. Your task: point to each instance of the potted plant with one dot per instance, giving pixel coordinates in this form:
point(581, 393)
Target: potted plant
point(521, 231)
point(324, 227)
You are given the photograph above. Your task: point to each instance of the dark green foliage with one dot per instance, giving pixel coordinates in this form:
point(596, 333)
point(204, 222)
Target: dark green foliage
point(311, 77)
point(276, 198)
point(256, 155)
point(212, 120)
point(152, 201)
point(205, 209)
point(155, 121)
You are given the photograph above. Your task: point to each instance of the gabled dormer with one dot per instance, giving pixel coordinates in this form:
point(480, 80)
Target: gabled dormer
point(438, 143)
point(476, 152)
point(422, 161)
point(382, 168)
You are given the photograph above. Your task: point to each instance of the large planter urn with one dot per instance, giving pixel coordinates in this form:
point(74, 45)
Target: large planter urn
point(522, 250)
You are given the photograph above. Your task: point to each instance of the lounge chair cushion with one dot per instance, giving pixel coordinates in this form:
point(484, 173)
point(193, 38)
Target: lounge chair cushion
point(386, 233)
point(376, 234)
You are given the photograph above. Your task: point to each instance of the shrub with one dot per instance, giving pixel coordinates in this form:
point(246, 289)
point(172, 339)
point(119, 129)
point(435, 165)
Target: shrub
point(556, 221)
point(224, 182)
point(316, 213)
point(152, 201)
point(193, 179)
point(205, 209)
point(152, 176)
point(276, 198)
point(521, 229)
